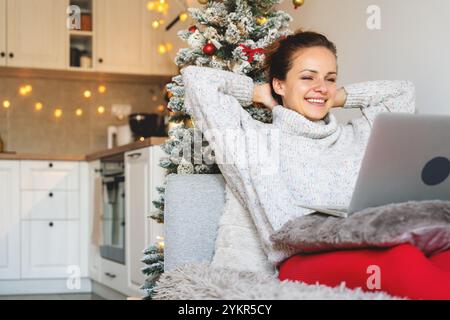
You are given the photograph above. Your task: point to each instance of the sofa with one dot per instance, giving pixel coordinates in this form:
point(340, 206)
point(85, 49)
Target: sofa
point(194, 204)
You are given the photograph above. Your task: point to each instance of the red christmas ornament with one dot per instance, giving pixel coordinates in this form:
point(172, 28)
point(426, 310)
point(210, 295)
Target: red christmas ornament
point(250, 53)
point(193, 29)
point(209, 49)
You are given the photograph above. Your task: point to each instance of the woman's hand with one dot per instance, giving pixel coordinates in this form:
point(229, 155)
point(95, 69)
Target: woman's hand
point(263, 94)
point(340, 99)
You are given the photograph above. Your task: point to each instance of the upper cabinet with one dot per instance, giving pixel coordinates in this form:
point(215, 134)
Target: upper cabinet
point(115, 36)
point(2, 33)
point(123, 36)
point(36, 33)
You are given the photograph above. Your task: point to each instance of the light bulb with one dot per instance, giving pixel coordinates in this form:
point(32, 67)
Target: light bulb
point(57, 113)
point(101, 109)
point(38, 106)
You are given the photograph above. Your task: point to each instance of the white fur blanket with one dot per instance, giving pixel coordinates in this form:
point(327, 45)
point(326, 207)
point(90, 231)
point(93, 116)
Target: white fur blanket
point(203, 282)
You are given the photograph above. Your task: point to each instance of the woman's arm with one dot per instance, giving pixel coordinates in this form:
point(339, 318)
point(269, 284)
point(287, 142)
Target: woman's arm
point(213, 97)
point(374, 97)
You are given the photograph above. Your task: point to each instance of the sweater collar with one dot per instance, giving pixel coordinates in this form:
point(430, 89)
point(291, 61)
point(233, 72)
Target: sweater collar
point(294, 123)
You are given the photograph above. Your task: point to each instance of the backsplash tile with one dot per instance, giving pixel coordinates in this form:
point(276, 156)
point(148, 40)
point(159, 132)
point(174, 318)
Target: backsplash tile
point(23, 129)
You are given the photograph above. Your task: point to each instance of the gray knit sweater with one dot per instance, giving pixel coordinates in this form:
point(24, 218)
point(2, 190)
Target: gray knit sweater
point(274, 168)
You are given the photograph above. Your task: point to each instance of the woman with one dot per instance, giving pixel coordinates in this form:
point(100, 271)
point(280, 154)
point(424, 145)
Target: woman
point(306, 157)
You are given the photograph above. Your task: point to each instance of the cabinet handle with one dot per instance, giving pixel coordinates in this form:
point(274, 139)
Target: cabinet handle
point(50, 224)
point(2, 54)
point(112, 276)
point(11, 55)
point(98, 170)
point(50, 165)
point(135, 155)
point(100, 60)
point(50, 194)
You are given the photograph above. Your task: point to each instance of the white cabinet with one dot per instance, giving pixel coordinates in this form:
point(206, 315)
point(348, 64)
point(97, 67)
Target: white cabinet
point(57, 205)
point(50, 249)
point(36, 33)
point(2, 33)
point(142, 176)
point(52, 211)
point(9, 220)
point(95, 195)
point(123, 36)
point(50, 175)
point(126, 42)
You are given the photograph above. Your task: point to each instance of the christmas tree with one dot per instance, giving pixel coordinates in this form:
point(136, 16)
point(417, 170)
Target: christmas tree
point(229, 35)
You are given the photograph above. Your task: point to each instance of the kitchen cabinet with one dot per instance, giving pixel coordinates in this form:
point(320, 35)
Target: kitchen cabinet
point(123, 36)
point(125, 40)
point(36, 33)
point(2, 33)
point(50, 248)
point(51, 204)
point(142, 175)
point(50, 175)
point(95, 191)
point(9, 220)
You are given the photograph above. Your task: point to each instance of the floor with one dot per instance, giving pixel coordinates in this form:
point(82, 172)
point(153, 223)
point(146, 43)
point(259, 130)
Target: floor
point(80, 296)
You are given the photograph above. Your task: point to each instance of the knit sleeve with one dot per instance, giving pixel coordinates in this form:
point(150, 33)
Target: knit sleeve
point(374, 97)
point(214, 98)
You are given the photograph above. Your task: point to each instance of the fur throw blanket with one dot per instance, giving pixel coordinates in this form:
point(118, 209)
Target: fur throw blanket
point(424, 224)
point(203, 282)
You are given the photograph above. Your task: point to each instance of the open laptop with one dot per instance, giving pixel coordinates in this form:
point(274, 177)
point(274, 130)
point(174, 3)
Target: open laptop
point(407, 158)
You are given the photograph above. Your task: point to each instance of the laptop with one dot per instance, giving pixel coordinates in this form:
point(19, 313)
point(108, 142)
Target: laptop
point(407, 158)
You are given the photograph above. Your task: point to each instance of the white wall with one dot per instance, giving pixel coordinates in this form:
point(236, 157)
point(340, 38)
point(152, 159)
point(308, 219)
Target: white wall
point(412, 44)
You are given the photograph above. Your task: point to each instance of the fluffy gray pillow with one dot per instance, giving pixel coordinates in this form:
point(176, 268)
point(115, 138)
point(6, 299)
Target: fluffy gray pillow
point(425, 224)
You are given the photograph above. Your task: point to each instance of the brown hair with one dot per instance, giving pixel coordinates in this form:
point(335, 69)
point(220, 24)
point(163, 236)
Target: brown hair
point(280, 54)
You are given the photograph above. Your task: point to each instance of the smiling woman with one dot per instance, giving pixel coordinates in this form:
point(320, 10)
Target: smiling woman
point(313, 158)
point(302, 69)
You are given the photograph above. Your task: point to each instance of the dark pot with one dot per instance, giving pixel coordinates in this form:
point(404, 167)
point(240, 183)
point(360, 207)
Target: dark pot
point(147, 125)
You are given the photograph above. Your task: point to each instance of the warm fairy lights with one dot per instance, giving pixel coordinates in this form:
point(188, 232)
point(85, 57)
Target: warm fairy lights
point(101, 89)
point(57, 113)
point(38, 106)
point(79, 112)
point(87, 94)
point(101, 110)
point(6, 104)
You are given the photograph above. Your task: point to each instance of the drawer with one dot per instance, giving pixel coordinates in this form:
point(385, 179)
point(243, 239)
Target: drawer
point(113, 275)
point(50, 205)
point(50, 249)
point(49, 175)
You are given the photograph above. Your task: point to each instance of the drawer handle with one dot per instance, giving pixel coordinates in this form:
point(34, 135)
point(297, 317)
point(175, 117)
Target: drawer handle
point(50, 224)
point(135, 155)
point(112, 276)
point(2, 54)
point(11, 55)
point(50, 194)
point(50, 165)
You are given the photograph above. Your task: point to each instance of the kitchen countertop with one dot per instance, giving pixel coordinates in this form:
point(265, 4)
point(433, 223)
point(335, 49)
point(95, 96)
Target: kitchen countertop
point(90, 157)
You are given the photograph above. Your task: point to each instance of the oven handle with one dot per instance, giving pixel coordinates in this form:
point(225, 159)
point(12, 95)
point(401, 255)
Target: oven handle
point(134, 155)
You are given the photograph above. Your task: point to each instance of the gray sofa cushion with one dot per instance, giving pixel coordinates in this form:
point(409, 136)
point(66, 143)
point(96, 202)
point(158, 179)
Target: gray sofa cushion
point(425, 224)
point(193, 206)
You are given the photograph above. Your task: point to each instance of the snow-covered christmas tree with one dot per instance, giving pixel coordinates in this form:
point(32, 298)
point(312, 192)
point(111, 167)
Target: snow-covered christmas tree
point(229, 35)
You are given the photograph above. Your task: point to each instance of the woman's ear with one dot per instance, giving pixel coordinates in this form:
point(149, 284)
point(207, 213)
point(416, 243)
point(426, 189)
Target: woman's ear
point(278, 87)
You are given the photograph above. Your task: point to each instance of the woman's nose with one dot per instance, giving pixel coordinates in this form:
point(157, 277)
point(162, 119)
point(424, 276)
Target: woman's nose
point(321, 86)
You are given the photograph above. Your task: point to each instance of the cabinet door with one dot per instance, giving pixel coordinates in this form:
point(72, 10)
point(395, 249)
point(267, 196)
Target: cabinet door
point(122, 36)
point(37, 33)
point(9, 220)
point(137, 210)
point(95, 218)
point(2, 33)
point(58, 205)
point(50, 249)
point(50, 175)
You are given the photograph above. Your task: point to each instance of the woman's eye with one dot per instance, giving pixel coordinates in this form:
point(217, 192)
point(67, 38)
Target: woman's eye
point(332, 80)
point(307, 78)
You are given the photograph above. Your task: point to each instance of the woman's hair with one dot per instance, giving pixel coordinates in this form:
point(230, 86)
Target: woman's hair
point(280, 55)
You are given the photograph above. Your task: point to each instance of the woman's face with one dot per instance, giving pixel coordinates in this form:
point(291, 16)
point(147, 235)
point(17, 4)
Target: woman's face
point(310, 85)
